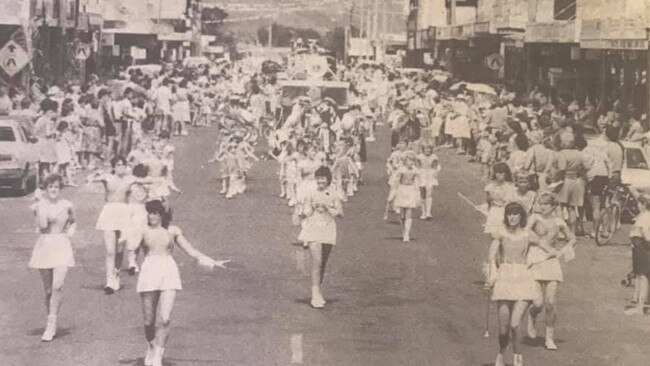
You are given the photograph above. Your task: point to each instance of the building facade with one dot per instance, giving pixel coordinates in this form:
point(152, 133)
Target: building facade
point(559, 45)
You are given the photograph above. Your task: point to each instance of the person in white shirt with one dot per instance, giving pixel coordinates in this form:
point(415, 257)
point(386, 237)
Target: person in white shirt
point(163, 97)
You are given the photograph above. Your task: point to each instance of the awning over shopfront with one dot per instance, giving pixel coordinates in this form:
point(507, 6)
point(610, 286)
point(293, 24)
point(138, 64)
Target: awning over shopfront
point(175, 37)
point(614, 34)
point(553, 32)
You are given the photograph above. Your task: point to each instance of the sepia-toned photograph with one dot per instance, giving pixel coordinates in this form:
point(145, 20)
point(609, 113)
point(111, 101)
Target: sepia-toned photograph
point(324, 182)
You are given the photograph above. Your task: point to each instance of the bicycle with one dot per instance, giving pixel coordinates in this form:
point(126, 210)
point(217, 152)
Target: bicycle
point(619, 201)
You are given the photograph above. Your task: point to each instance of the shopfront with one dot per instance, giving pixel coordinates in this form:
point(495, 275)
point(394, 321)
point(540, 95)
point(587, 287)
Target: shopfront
point(621, 48)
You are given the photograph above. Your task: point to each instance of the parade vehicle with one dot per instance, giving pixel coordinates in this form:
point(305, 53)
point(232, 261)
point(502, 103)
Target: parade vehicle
point(196, 61)
point(18, 166)
point(149, 70)
point(316, 90)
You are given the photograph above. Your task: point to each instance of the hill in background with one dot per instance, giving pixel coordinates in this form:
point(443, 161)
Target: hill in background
point(247, 16)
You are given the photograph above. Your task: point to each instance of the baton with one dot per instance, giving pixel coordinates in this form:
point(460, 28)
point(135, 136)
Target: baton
point(477, 208)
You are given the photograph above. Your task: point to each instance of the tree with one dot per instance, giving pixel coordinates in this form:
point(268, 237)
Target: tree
point(283, 36)
point(211, 20)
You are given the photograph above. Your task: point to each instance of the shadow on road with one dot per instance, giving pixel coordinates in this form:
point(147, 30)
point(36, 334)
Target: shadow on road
point(60, 332)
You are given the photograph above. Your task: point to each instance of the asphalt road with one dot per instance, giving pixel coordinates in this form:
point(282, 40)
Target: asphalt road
point(389, 303)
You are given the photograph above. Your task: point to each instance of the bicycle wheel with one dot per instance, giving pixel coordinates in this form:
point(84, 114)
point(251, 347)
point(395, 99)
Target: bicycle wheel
point(606, 225)
point(616, 215)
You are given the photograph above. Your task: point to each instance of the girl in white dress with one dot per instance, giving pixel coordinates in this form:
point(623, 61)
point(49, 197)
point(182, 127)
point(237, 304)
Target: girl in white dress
point(318, 209)
point(513, 283)
point(407, 197)
point(159, 278)
point(393, 164)
point(114, 218)
point(547, 271)
point(497, 193)
point(429, 169)
point(52, 255)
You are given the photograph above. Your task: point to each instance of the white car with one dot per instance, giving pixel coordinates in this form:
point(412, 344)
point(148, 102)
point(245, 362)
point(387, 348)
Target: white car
point(636, 170)
point(18, 166)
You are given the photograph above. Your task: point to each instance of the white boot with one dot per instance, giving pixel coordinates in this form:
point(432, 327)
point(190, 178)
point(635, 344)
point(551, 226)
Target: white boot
point(158, 356)
point(50, 329)
point(550, 339)
point(428, 204)
point(500, 361)
point(518, 360)
point(149, 355)
point(532, 332)
point(317, 300)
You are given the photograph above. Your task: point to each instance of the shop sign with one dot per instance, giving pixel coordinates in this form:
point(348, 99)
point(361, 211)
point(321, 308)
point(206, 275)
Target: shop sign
point(615, 44)
point(13, 58)
point(108, 39)
point(82, 52)
point(482, 27)
point(551, 32)
point(467, 31)
point(443, 33)
point(457, 32)
point(494, 61)
point(613, 28)
point(138, 53)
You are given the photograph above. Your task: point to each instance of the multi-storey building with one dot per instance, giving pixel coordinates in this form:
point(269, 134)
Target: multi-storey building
point(596, 49)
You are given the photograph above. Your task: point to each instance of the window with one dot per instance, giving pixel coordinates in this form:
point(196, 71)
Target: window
point(635, 159)
point(72, 9)
point(56, 9)
point(7, 134)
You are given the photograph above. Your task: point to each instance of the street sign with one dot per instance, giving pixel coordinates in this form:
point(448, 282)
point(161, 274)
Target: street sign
point(494, 61)
point(13, 58)
point(82, 52)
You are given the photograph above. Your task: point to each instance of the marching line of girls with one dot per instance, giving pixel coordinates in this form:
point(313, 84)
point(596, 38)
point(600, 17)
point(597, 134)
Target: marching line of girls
point(412, 177)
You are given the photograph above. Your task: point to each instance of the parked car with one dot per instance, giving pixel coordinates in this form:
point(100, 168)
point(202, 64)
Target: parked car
point(18, 156)
point(636, 170)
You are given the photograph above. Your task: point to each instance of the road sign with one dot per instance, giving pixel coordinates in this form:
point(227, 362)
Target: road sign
point(494, 61)
point(13, 58)
point(82, 52)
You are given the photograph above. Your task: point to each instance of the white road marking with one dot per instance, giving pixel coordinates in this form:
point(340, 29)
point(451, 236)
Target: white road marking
point(296, 348)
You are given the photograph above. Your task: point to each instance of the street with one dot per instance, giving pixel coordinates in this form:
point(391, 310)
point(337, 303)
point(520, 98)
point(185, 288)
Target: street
point(389, 303)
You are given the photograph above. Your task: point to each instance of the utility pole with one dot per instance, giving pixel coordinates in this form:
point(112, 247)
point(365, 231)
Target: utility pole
point(271, 35)
point(362, 17)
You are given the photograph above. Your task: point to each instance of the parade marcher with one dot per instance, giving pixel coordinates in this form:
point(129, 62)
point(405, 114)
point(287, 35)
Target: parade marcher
point(114, 218)
point(53, 255)
point(554, 234)
point(393, 164)
point(407, 194)
point(429, 169)
point(513, 284)
point(498, 191)
point(318, 209)
point(159, 278)
point(522, 194)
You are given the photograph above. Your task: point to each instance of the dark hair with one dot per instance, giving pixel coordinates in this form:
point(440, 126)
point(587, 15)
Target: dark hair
point(63, 125)
point(502, 168)
point(158, 207)
point(155, 207)
point(140, 171)
point(612, 133)
point(116, 160)
point(49, 105)
point(324, 172)
point(103, 93)
point(515, 208)
point(51, 179)
point(521, 141)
